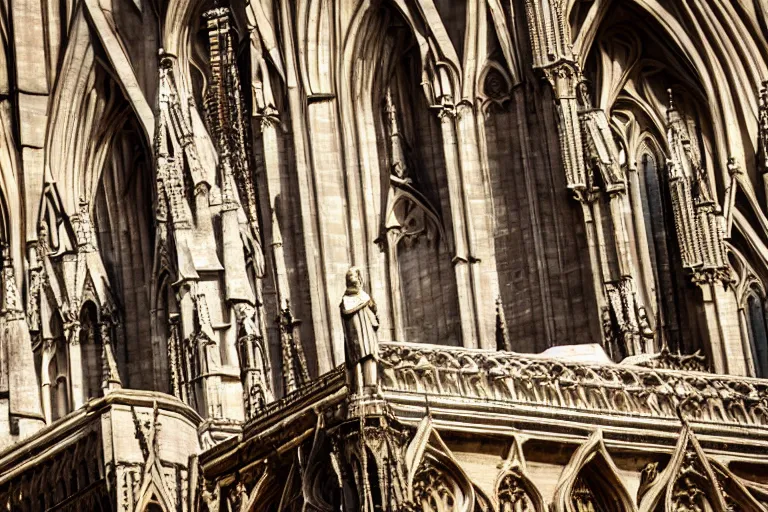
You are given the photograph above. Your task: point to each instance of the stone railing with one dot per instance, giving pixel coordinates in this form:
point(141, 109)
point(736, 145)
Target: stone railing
point(614, 388)
point(309, 393)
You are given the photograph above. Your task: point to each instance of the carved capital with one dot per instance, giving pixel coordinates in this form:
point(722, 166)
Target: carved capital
point(564, 76)
point(269, 117)
point(446, 113)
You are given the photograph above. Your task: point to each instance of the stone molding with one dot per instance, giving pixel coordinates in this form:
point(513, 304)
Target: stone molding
point(606, 388)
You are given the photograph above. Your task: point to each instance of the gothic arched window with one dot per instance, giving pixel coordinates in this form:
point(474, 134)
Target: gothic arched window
point(59, 378)
point(758, 332)
point(91, 348)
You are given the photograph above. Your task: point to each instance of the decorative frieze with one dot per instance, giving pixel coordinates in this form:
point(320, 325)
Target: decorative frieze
point(611, 389)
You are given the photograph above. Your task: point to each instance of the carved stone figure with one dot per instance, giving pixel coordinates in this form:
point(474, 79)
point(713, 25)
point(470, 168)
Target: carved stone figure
point(361, 342)
point(183, 185)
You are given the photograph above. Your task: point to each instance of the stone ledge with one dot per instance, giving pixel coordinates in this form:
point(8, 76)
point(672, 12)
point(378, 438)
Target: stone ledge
point(78, 421)
point(610, 389)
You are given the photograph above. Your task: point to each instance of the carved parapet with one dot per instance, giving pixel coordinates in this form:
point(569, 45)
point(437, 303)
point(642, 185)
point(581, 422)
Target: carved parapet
point(667, 360)
point(606, 388)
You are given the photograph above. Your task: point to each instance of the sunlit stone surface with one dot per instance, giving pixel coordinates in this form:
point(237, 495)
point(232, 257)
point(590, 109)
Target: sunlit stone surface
point(383, 256)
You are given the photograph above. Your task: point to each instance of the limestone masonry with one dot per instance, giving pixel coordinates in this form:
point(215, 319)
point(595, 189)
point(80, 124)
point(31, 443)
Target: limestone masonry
point(384, 255)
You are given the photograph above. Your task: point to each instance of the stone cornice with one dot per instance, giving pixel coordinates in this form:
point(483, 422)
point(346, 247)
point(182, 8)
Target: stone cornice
point(62, 433)
point(459, 388)
point(612, 389)
point(281, 422)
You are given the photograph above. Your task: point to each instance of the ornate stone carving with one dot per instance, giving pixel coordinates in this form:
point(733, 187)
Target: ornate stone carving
point(698, 219)
point(591, 482)
point(361, 342)
point(687, 483)
point(622, 388)
point(514, 490)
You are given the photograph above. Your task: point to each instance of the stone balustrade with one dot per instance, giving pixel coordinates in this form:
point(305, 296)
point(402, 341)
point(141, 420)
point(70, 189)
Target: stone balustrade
point(615, 388)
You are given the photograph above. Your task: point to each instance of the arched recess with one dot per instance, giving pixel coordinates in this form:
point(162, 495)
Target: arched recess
point(91, 349)
point(123, 218)
point(730, 70)
point(435, 480)
point(52, 361)
point(169, 358)
point(751, 299)
point(88, 125)
point(545, 296)
point(688, 482)
point(758, 330)
point(591, 482)
point(392, 80)
point(633, 68)
point(514, 489)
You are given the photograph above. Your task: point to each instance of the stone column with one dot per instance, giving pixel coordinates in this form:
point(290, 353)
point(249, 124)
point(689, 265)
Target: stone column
point(76, 384)
point(462, 258)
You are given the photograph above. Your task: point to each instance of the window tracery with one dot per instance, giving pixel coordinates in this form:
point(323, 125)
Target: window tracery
point(515, 492)
point(590, 482)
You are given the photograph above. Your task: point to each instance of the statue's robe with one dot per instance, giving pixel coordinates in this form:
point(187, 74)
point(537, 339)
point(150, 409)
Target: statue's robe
point(360, 325)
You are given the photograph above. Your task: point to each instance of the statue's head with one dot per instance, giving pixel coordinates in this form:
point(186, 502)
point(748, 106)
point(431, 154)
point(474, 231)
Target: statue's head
point(354, 279)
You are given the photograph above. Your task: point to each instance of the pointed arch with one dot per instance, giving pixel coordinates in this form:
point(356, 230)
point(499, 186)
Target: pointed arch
point(153, 501)
point(439, 56)
point(435, 479)
point(688, 476)
point(390, 73)
point(152, 490)
point(88, 111)
point(513, 487)
point(592, 476)
point(736, 491)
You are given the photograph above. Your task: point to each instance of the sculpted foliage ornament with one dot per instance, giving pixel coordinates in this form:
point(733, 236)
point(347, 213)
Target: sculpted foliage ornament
point(687, 483)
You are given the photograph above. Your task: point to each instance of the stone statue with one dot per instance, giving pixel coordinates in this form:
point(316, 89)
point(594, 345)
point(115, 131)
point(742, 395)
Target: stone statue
point(361, 344)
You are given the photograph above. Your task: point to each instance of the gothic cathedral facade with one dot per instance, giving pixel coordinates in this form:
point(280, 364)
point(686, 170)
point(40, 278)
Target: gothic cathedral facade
point(384, 255)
